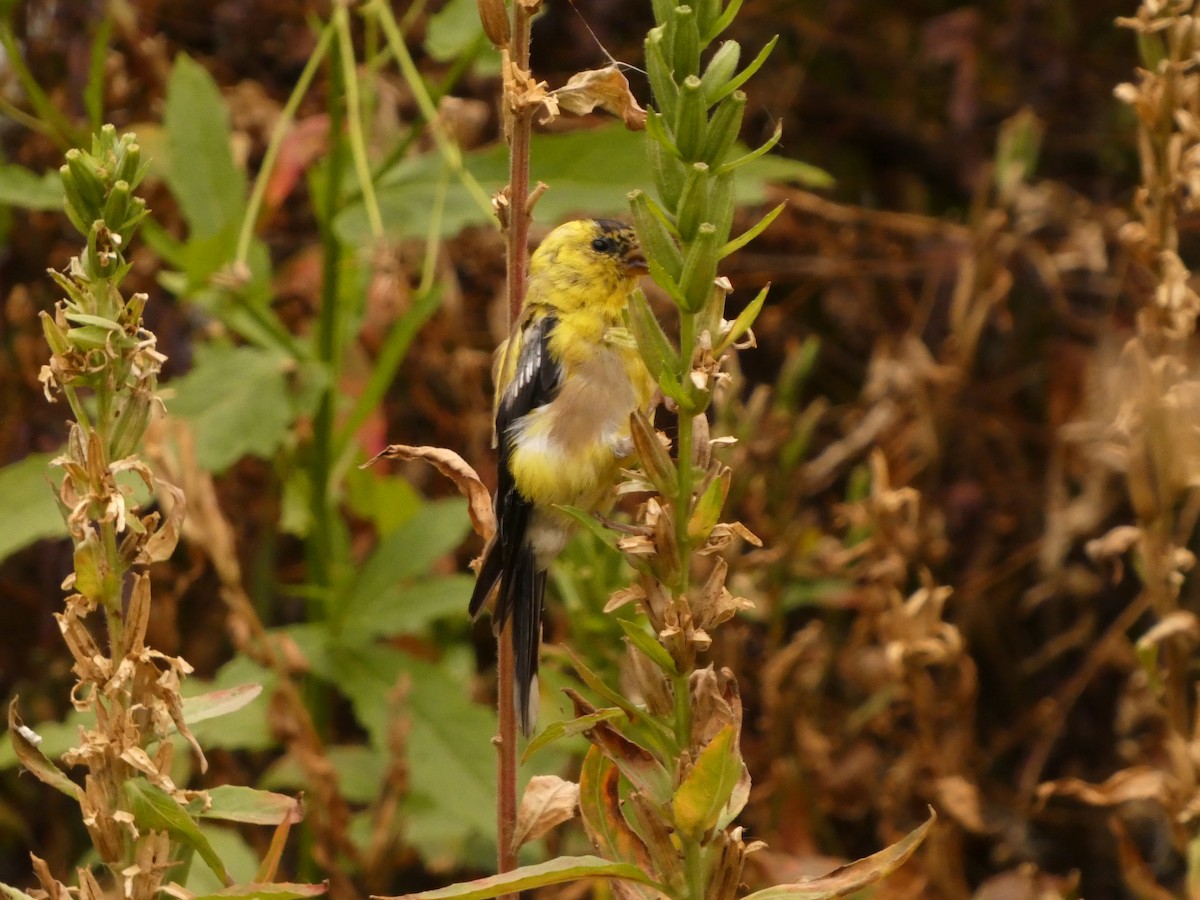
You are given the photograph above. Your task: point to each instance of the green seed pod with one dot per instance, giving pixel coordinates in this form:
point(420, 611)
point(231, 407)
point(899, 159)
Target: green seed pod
point(116, 207)
point(88, 182)
point(130, 168)
point(721, 205)
point(720, 69)
point(693, 201)
point(685, 43)
point(55, 335)
point(656, 351)
point(658, 70)
point(73, 202)
point(691, 120)
point(663, 10)
point(668, 174)
point(655, 462)
point(707, 13)
point(654, 237)
point(130, 425)
point(724, 128)
point(700, 268)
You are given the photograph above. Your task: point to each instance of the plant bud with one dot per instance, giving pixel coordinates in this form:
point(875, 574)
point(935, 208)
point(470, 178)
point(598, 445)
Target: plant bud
point(658, 70)
point(656, 351)
point(663, 10)
point(693, 201)
point(707, 13)
point(708, 509)
point(720, 69)
point(88, 180)
point(685, 43)
point(691, 121)
point(724, 128)
point(653, 455)
point(666, 168)
point(73, 203)
point(656, 241)
point(700, 268)
point(55, 335)
point(494, 16)
point(130, 425)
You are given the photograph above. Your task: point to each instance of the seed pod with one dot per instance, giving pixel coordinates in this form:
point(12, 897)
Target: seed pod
point(88, 180)
point(663, 10)
point(74, 205)
point(724, 128)
point(693, 201)
point(130, 425)
point(700, 268)
point(494, 17)
point(691, 121)
point(721, 205)
point(656, 241)
point(707, 13)
point(655, 349)
point(657, 465)
point(685, 43)
point(116, 206)
point(666, 168)
point(658, 70)
point(720, 69)
point(129, 166)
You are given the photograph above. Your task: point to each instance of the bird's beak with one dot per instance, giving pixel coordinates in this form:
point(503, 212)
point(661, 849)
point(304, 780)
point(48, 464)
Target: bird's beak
point(635, 262)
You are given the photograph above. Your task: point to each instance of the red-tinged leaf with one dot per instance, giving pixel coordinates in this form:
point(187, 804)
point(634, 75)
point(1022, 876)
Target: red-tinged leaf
point(304, 143)
point(25, 742)
point(269, 867)
point(219, 703)
point(855, 876)
point(275, 890)
point(708, 786)
point(600, 809)
point(234, 803)
point(526, 878)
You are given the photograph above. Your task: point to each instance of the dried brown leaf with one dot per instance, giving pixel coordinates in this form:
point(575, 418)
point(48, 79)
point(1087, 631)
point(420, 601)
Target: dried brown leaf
point(1134, 783)
point(548, 801)
point(454, 467)
point(605, 88)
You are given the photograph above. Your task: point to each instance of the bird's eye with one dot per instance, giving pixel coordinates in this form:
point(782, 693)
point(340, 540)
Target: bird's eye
point(603, 245)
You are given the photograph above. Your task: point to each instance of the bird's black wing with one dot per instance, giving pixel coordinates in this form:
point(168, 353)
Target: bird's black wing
point(509, 558)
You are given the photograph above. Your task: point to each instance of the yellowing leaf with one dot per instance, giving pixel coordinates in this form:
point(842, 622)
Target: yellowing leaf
point(709, 785)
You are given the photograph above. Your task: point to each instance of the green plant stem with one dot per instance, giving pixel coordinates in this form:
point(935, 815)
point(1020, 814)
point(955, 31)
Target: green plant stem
point(320, 550)
point(358, 147)
point(450, 151)
point(286, 118)
point(59, 129)
point(683, 499)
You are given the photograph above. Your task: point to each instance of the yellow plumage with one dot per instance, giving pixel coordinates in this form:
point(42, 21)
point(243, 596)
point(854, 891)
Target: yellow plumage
point(567, 380)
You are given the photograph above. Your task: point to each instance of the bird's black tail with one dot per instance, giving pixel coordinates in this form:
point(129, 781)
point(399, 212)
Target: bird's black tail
point(522, 589)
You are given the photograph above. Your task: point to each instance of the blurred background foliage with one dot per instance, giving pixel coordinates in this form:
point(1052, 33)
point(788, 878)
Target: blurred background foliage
point(950, 296)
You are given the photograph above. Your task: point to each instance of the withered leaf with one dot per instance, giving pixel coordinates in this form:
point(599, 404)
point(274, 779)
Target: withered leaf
point(1134, 783)
point(605, 88)
point(548, 801)
point(454, 467)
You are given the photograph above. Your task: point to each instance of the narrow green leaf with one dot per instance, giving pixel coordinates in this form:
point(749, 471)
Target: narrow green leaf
point(851, 878)
point(235, 803)
point(651, 648)
point(155, 809)
point(655, 349)
point(723, 21)
point(275, 890)
point(607, 536)
point(526, 878)
point(753, 231)
point(706, 789)
point(556, 731)
point(744, 321)
point(25, 742)
point(747, 73)
point(754, 154)
point(219, 703)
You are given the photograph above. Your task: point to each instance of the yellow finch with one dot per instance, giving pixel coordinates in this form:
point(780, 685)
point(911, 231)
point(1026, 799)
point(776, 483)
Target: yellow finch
point(567, 379)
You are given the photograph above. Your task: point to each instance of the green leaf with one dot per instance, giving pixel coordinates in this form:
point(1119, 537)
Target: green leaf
point(449, 739)
point(236, 399)
point(28, 190)
point(706, 789)
point(851, 878)
point(652, 649)
point(526, 878)
point(153, 808)
point(409, 551)
point(219, 703)
point(360, 770)
point(234, 803)
point(26, 743)
point(28, 512)
point(556, 731)
point(202, 175)
point(243, 727)
point(241, 861)
point(409, 608)
point(275, 890)
point(453, 30)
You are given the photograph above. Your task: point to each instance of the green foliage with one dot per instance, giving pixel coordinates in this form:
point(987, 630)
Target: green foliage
point(27, 190)
point(28, 513)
